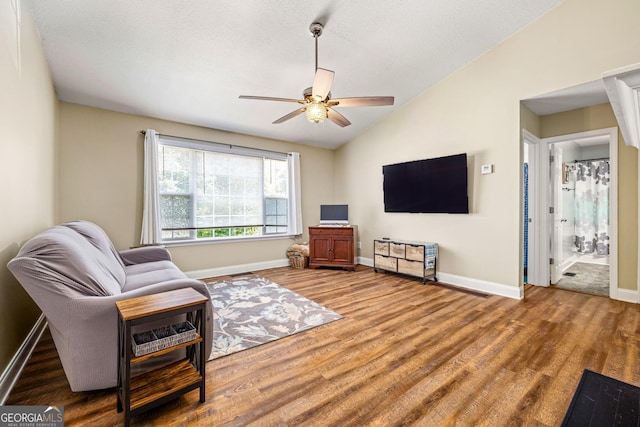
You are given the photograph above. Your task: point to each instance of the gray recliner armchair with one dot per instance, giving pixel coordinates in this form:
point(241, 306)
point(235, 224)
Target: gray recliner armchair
point(75, 275)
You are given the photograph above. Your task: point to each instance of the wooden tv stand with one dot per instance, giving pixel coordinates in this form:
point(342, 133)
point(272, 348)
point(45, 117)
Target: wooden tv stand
point(332, 246)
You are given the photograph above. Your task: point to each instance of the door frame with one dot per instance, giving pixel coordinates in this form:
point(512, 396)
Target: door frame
point(539, 259)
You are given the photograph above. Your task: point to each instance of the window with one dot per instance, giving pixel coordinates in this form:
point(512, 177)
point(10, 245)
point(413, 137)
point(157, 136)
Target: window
point(213, 191)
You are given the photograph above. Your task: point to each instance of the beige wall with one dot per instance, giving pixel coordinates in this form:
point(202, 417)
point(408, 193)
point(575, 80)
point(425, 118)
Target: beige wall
point(101, 158)
point(477, 110)
point(529, 121)
point(600, 117)
point(27, 154)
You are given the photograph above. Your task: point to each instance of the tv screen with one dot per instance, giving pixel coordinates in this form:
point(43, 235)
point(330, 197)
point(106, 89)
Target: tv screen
point(437, 185)
point(334, 214)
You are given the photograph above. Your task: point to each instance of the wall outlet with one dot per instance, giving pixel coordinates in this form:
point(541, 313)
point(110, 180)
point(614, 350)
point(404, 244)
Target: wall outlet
point(486, 169)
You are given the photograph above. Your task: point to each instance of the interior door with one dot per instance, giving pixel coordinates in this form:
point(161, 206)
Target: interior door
point(558, 221)
point(538, 163)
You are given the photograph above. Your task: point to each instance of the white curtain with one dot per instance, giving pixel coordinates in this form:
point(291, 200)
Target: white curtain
point(295, 205)
point(151, 230)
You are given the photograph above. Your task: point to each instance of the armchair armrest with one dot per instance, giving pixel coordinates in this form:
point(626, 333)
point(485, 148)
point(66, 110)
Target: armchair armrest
point(145, 254)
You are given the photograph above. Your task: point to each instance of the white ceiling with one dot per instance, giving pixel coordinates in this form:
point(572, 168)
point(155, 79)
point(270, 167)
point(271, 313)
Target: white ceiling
point(188, 61)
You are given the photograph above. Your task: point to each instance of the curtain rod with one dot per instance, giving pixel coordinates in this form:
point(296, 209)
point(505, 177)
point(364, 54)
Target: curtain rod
point(144, 132)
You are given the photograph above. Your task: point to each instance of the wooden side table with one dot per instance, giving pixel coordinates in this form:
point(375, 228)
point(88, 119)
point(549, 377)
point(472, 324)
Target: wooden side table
point(165, 383)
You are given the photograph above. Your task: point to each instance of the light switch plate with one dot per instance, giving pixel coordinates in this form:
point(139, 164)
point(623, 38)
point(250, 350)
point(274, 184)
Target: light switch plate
point(486, 169)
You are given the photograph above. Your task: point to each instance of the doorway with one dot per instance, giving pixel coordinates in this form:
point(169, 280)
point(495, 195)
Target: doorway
point(580, 239)
point(570, 199)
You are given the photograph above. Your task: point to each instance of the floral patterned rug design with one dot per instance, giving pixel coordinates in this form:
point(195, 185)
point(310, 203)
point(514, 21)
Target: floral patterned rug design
point(252, 310)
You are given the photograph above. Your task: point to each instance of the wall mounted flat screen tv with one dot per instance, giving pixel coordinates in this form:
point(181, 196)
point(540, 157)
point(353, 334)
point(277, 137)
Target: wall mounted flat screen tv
point(437, 185)
point(334, 214)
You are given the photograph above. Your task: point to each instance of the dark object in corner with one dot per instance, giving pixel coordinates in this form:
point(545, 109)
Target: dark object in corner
point(603, 401)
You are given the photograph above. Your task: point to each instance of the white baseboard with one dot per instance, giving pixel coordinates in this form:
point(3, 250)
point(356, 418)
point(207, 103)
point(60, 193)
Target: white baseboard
point(470, 283)
point(236, 269)
point(628, 295)
point(482, 285)
point(364, 261)
point(20, 359)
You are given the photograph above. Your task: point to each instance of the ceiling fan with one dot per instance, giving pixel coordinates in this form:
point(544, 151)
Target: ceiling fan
point(317, 103)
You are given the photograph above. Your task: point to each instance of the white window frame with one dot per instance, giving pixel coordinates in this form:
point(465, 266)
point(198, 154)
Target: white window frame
point(293, 206)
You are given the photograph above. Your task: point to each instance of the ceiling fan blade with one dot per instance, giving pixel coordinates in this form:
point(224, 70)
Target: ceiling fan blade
point(291, 115)
point(268, 98)
point(337, 118)
point(363, 101)
point(322, 84)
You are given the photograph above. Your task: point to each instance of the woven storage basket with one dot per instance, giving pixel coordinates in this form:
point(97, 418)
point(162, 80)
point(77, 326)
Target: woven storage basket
point(298, 261)
point(161, 338)
point(298, 255)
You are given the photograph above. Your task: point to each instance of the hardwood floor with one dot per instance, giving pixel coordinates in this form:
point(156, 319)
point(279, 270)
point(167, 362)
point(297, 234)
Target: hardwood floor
point(404, 354)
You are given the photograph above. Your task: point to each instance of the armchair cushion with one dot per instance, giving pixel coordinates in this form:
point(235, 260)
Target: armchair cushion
point(140, 275)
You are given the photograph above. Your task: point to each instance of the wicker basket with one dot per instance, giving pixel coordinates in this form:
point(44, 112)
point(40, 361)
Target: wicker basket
point(298, 255)
point(298, 261)
point(161, 338)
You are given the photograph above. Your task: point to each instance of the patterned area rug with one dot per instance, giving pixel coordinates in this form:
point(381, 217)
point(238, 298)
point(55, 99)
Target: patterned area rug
point(252, 310)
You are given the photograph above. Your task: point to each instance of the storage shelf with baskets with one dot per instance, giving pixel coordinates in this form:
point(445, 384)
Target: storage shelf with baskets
point(418, 259)
point(155, 387)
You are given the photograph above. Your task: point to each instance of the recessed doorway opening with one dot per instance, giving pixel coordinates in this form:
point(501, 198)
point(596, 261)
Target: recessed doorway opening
point(570, 200)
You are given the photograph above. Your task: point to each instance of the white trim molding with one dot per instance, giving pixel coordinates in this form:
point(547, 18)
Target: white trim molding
point(515, 292)
point(484, 286)
point(628, 295)
point(623, 89)
point(237, 269)
point(20, 359)
point(364, 261)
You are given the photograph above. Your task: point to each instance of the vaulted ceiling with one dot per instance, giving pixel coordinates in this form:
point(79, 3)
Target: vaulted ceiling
point(188, 61)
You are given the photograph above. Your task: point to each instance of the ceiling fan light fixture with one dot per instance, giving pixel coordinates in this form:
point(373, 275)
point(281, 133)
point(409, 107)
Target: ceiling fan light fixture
point(316, 112)
point(316, 100)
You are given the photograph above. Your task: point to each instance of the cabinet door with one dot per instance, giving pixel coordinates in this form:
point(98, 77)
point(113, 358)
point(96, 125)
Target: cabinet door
point(319, 250)
point(343, 249)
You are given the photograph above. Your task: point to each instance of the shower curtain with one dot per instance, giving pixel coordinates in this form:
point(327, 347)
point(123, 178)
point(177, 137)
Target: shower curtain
point(592, 207)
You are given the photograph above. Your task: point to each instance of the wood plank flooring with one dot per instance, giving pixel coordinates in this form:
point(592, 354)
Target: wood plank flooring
point(404, 354)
